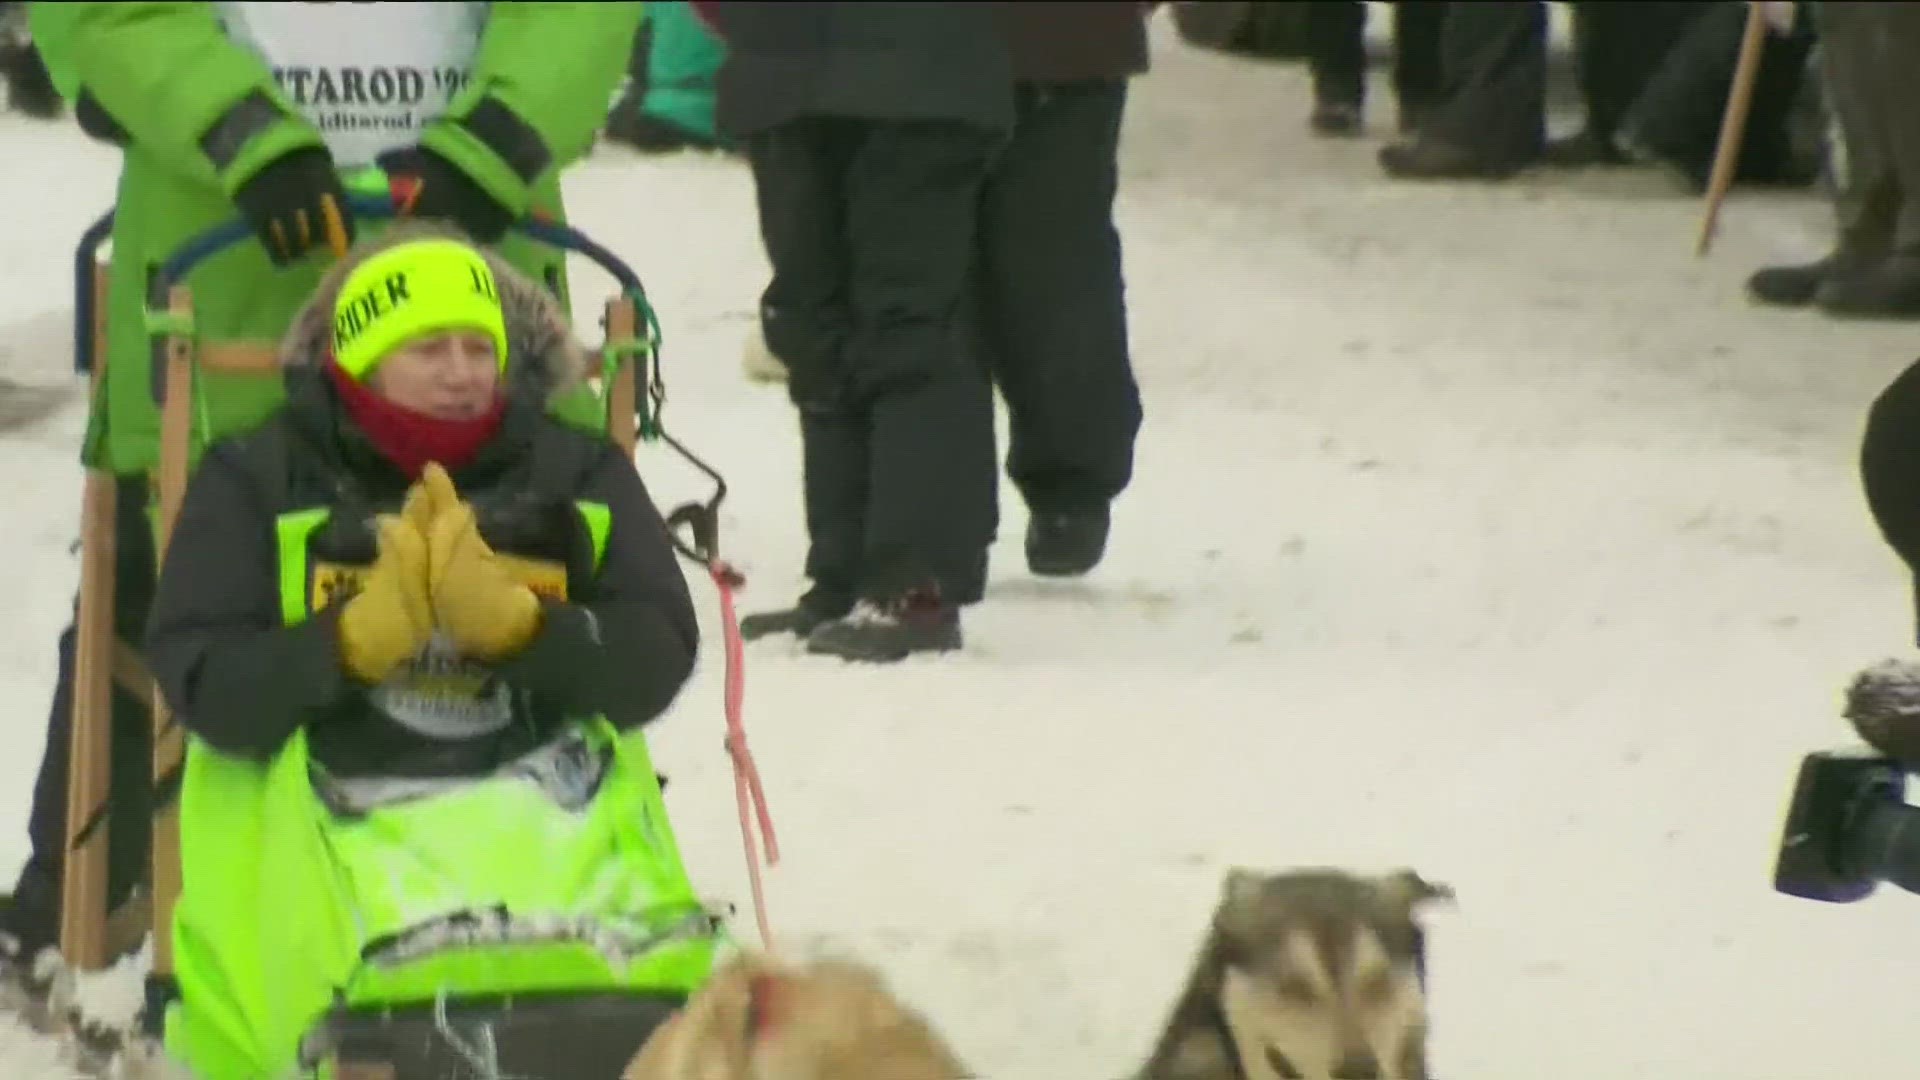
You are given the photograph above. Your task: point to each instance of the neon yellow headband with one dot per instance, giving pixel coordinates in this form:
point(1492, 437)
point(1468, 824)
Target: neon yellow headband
point(416, 288)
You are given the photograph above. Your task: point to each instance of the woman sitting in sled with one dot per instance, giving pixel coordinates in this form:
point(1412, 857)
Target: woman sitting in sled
point(413, 623)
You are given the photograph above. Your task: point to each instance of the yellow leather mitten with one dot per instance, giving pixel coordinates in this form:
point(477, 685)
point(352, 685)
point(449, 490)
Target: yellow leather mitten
point(481, 606)
point(429, 497)
point(390, 619)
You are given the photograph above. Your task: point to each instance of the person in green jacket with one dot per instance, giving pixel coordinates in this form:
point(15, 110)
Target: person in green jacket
point(266, 112)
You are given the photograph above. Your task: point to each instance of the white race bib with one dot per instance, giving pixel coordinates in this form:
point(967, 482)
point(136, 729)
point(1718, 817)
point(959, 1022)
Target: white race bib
point(443, 695)
point(369, 76)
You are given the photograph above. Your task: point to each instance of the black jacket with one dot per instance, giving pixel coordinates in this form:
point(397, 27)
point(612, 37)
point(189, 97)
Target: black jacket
point(874, 60)
point(1054, 42)
point(622, 644)
point(1890, 465)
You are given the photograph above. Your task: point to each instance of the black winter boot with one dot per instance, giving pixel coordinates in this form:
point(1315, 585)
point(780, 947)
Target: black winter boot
point(1887, 290)
point(883, 632)
point(1799, 284)
point(817, 605)
point(30, 914)
point(1416, 108)
point(1337, 113)
point(1791, 285)
point(1583, 149)
point(1067, 543)
point(1430, 157)
point(29, 925)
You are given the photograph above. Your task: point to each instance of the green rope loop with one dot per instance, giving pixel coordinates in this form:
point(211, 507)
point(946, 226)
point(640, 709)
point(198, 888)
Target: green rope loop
point(168, 323)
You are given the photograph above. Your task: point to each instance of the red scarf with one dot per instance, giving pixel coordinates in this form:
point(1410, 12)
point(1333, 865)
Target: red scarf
point(411, 439)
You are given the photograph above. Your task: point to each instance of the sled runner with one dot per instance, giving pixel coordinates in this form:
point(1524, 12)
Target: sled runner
point(535, 921)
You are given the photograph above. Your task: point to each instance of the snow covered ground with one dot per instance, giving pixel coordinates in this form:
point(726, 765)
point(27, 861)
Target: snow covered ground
point(1477, 528)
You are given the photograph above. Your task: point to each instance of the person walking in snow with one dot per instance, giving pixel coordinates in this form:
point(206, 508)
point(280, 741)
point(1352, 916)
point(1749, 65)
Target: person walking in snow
point(978, 248)
point(1337, 59)
point(871, 128)
point(1053, 311)
point(1870, 54)
point(1490, 120)
point(257, 110)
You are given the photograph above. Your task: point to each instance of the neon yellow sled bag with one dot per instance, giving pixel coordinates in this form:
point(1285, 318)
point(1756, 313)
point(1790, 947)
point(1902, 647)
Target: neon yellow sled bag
point(321, 916)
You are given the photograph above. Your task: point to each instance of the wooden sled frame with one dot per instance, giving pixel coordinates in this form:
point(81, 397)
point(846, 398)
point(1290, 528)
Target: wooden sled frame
point(91, 937)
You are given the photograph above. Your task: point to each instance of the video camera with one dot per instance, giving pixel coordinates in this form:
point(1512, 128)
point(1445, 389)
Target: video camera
point(1849, 826)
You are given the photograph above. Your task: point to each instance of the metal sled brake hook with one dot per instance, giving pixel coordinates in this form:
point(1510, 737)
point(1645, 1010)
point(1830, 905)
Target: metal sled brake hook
point(695, 527)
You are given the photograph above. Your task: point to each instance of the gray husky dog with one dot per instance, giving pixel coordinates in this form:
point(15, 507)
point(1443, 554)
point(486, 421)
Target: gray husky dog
point(1313, 974)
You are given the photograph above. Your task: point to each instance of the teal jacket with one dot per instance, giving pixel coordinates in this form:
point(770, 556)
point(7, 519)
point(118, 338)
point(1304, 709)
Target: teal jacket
point(166, 73)
point(681, 64)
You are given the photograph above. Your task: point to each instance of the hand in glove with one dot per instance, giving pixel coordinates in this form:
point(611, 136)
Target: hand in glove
point(390, 619)
point(443, 191)
point(429, 497)
point(295, 203)
point(479, 604)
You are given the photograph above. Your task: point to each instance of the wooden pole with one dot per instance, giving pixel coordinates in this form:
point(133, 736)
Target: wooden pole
point(1733, 124)
point(169, 739)
point(83, 894)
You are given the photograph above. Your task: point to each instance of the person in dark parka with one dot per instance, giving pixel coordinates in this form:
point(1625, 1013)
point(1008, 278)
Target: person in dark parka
point(1491, 119)
point(1870, 53)
point(1053, 316)
point(1337, 57)
point(1043, 314)
point(1674, 121)
point(1890, 471)
point(1618, 48)
point(438, 657)
point(871, 128)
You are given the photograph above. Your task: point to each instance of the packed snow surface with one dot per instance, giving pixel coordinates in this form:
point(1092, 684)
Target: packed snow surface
point(1477, 528)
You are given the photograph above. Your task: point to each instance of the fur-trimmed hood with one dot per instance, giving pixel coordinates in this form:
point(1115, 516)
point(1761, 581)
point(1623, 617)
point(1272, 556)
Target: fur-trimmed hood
point(543, 357)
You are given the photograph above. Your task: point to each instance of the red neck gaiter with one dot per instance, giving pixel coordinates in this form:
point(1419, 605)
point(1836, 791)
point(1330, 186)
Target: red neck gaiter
point(411, 439)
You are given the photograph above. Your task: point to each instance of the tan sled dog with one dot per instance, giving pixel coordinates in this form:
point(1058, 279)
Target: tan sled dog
point(1305, 975)
point(758, 1019)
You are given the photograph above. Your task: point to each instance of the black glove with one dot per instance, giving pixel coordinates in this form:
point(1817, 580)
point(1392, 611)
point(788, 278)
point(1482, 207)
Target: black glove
point(447, 193)
point(295, 204)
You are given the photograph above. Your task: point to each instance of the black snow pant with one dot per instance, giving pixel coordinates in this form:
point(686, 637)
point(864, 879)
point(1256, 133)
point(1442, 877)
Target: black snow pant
point(870, 227)
point(1337, 48)
point(1052, 299)
point(1494, 58)
point(1871, 52)
point(1620, 46)
point(1678, 113)
point(128, 820)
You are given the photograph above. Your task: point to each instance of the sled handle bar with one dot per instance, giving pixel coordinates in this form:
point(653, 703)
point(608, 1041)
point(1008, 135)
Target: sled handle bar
point(219, 238)
point(85, 265)
point(700, 522)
